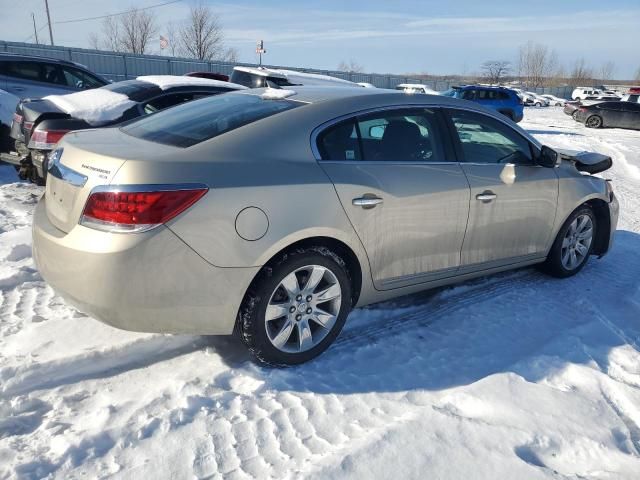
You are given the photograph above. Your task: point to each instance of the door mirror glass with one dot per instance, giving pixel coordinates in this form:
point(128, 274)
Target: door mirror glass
point(548, 157)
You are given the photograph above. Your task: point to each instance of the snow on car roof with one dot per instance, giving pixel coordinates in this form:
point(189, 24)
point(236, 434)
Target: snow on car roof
point(169, 81)
point(96, 107)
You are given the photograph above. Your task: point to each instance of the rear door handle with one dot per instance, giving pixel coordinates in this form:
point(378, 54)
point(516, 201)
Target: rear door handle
point(367, 201)
point(486, 196)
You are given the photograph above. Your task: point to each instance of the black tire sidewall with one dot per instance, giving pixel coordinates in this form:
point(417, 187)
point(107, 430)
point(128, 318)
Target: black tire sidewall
point(586, 122)
point(554, 260)
point(252, 325)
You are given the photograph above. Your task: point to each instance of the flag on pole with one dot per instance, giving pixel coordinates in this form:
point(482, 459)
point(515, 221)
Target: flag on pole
point(164, 43)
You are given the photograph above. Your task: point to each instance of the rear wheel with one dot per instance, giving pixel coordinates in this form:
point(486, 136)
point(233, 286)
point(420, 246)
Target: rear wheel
point(573, 244)
point(538, 104)
point(594, 121)
point(296, 308)
point(574, 115)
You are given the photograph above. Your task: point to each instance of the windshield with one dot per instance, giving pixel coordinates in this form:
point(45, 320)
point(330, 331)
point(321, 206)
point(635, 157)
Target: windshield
point(194, 122)
point(136, 90)
point(452, 92)
point(253, 80)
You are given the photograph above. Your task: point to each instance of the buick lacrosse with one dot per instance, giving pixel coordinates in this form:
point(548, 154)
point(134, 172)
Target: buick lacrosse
point(272, 213)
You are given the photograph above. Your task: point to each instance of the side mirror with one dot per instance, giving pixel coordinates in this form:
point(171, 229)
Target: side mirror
point(548, 157)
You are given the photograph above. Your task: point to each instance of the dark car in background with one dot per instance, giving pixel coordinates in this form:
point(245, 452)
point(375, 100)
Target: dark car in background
point(500, 99)
point(618, 114)
point(39, 124)
point(27, 76)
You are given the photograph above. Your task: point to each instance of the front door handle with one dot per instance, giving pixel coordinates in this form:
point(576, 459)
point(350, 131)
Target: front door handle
point(367, 201)
point(486, 196)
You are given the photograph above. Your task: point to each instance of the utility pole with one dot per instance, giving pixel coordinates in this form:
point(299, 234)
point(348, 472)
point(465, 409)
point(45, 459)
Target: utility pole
point(35, 31)
point(46, 4)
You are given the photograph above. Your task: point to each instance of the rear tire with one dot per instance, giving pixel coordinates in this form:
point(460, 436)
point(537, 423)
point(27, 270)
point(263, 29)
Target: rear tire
point(573, 244)
point(594, 121)
point(574, 115)
point(282, 326)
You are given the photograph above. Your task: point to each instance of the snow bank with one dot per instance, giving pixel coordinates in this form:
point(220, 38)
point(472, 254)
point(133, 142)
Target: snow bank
point(96, 107)
point(169, 81)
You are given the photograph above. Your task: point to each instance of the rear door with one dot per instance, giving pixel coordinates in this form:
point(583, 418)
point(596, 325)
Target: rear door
point(404, 193)
point(611, 113)
point(513, 202)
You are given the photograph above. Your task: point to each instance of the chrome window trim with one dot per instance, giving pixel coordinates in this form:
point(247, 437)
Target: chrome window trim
point(329, 123)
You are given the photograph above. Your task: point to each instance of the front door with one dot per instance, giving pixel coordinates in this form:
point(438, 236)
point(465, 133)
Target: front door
point(512, 205)
point(406, 200)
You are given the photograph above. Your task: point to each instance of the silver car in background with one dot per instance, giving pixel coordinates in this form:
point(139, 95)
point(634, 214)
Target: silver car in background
point(272, 213)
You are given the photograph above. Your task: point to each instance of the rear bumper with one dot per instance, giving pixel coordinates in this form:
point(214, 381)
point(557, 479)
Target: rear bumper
point(146, 282)
point(11, 158)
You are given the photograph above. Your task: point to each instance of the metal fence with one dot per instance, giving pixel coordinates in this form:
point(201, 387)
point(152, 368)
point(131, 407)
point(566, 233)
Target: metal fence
point(121, 66)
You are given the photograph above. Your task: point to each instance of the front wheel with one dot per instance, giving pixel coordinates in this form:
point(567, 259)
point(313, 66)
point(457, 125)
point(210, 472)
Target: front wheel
point(296, 309)
point(538, 104)
point(573, 244)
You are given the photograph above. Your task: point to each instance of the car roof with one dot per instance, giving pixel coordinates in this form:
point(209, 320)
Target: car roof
point(37, 58)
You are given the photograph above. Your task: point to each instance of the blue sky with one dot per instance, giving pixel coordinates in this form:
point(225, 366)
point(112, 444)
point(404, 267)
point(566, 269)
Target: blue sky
point(384, 36)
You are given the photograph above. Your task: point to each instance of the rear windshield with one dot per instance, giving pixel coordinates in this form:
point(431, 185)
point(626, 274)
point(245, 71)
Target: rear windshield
point(199, 120)
point(136, 90)
point(253, 80)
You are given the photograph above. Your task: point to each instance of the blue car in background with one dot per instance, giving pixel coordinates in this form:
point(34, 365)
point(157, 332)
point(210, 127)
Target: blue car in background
point(501, 99)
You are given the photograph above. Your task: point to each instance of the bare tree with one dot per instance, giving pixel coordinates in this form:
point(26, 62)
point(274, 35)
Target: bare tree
point(129, 32)
point(536, 63)
point(607, 70)
point(138, 27)
point(172, 37)
point(351, 66)
point(495, 70)
point(230, 55)
point(581, 73)
point(201, 36)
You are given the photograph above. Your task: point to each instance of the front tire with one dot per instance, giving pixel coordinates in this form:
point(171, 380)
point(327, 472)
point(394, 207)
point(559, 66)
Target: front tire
point(573, 244)
point(296, 308)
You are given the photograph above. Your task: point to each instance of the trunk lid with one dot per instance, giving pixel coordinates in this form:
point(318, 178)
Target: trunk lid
point(89, 158)
point(29, 112)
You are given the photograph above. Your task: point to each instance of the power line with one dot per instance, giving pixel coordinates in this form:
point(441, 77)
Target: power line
point(116, 14)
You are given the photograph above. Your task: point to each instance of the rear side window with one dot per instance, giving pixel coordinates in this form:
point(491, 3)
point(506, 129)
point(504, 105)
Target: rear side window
point(25, 70)
point(197, 121)
point(403, 135)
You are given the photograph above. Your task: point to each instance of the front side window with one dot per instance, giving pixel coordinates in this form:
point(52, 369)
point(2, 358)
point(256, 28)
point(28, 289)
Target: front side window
point(486, 140)
point(403, 135)
point(79, 79)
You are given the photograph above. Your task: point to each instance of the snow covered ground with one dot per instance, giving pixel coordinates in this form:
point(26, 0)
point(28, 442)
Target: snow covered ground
point(515, 376)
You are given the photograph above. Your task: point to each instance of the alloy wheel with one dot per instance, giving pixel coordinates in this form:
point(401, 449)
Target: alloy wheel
point(576, 243)
point(303, 309)
point(594, 121)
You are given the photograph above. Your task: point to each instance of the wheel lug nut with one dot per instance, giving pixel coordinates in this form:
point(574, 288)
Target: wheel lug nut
point(292, 309)
point(309, 311)
point(298, 317)
point(299, 297)
point(309, 298)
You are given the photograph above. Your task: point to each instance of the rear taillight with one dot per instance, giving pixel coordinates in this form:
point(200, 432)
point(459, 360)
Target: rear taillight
point(27, 126)
point(17, 118)
point(137, 208)
point(45, 139)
